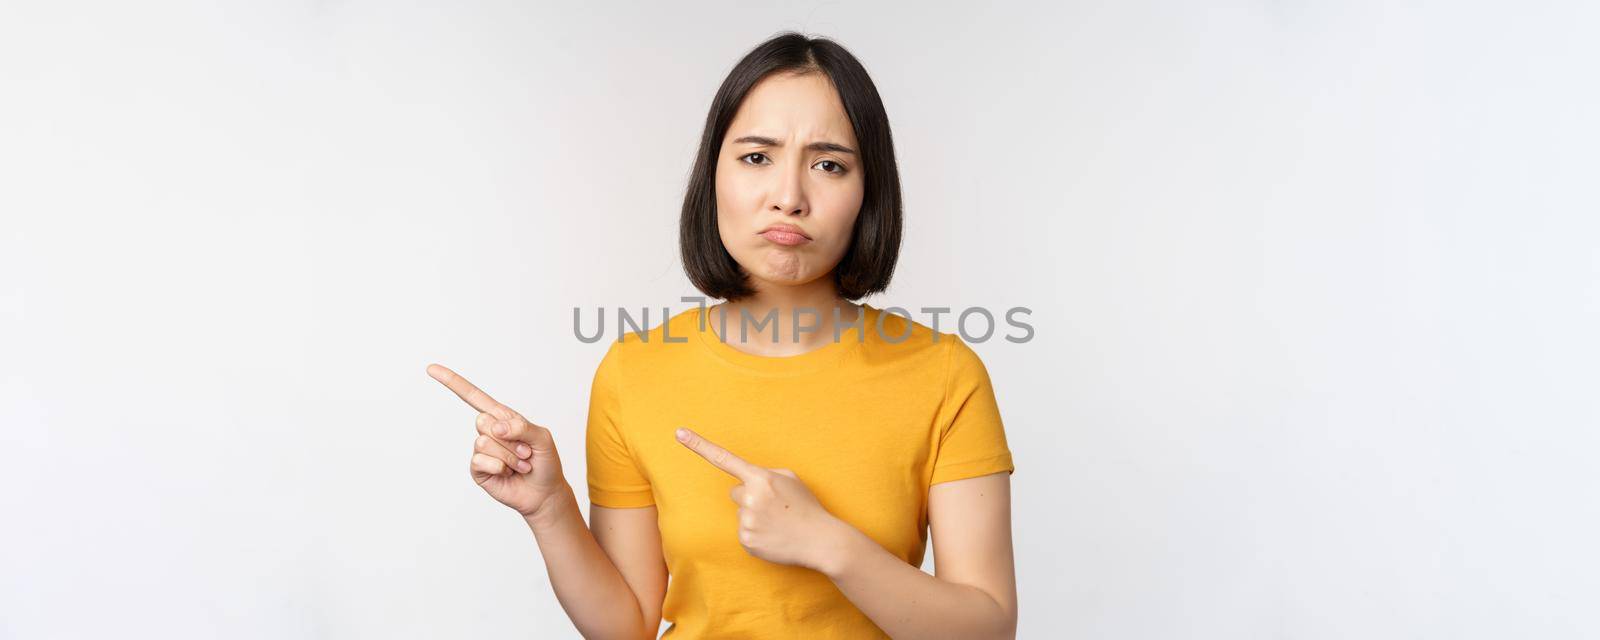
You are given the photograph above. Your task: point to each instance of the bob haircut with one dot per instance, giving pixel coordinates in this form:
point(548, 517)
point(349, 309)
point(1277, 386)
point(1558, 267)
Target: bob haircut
point(868, 264)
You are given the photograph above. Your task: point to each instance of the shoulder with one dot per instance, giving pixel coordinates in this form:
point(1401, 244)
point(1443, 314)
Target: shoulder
point(893, 333)
point(964, 366)
point(634, 348)
point(957, 363)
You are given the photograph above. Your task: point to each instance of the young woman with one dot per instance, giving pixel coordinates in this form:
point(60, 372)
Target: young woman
point(784, 478)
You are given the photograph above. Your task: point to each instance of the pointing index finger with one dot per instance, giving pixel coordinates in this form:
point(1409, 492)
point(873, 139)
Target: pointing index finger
point(467, 391)
point(719, 457)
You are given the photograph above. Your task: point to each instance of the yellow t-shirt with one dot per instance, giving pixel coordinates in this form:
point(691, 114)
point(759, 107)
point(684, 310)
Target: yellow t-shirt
point(868, 423)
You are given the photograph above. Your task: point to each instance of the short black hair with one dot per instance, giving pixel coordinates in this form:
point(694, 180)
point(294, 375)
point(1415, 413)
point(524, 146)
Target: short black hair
point(868, 264)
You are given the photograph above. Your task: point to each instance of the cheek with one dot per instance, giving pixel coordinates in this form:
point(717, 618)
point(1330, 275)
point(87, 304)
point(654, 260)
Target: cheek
point(727, 206)
point(846, 207)
point(733, 192)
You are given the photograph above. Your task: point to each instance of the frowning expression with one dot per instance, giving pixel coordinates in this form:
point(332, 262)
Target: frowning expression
point(789, 180)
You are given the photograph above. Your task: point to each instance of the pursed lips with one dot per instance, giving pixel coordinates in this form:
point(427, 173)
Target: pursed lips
point(789, 228)
point(785, 234)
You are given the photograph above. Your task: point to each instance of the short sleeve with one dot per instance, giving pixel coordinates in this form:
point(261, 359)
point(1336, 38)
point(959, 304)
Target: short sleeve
point(972, 439)
point(614, 477)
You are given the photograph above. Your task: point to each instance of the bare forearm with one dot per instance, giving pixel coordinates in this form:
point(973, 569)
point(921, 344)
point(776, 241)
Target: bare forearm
point(905, 601)
point(588, 585)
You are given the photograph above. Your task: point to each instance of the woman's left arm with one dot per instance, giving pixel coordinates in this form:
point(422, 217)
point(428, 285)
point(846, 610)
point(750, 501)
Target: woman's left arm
point(973, 592)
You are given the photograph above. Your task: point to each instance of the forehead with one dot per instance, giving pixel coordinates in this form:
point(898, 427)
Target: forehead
point(785, 105)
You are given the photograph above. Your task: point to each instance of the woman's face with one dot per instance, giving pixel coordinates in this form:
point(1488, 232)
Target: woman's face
point(790, 158)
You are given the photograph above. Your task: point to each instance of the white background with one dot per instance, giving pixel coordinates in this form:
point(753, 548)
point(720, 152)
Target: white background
point(1315, 287)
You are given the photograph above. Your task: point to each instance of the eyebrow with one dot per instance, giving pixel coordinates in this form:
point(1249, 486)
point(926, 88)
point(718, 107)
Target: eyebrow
point(815, 146)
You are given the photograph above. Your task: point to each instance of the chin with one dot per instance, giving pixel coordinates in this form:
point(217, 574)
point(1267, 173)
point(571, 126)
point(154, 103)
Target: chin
point(782, 279)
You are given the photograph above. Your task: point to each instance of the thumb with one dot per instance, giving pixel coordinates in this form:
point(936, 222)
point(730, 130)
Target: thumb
point(543, 441)
point(538, 438)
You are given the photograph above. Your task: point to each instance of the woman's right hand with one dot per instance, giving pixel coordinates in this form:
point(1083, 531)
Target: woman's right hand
point(512, 459)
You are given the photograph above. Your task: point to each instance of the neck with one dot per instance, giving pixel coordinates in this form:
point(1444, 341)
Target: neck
point(817, 301)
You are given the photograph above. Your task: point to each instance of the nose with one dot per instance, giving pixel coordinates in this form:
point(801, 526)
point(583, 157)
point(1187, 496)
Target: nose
point(788, 193)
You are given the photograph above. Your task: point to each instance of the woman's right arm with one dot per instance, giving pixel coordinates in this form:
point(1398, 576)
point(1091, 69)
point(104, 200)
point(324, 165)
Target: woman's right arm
point(595, 593)
point(516, 462)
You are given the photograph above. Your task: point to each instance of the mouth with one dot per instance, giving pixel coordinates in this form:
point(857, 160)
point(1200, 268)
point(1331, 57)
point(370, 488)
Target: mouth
point(785, 234)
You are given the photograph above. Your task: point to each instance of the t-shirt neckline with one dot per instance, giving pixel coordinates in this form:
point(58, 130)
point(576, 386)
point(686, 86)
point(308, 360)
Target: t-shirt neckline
point(830, 353)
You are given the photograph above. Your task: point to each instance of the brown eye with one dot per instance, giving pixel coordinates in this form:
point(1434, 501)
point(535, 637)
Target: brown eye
point(837, 168)
point(745, 157)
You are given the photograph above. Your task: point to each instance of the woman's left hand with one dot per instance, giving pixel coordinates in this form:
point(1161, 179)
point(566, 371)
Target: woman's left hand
point(780, 520)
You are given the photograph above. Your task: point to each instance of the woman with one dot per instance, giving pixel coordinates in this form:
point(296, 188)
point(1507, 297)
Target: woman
point(795, 500)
